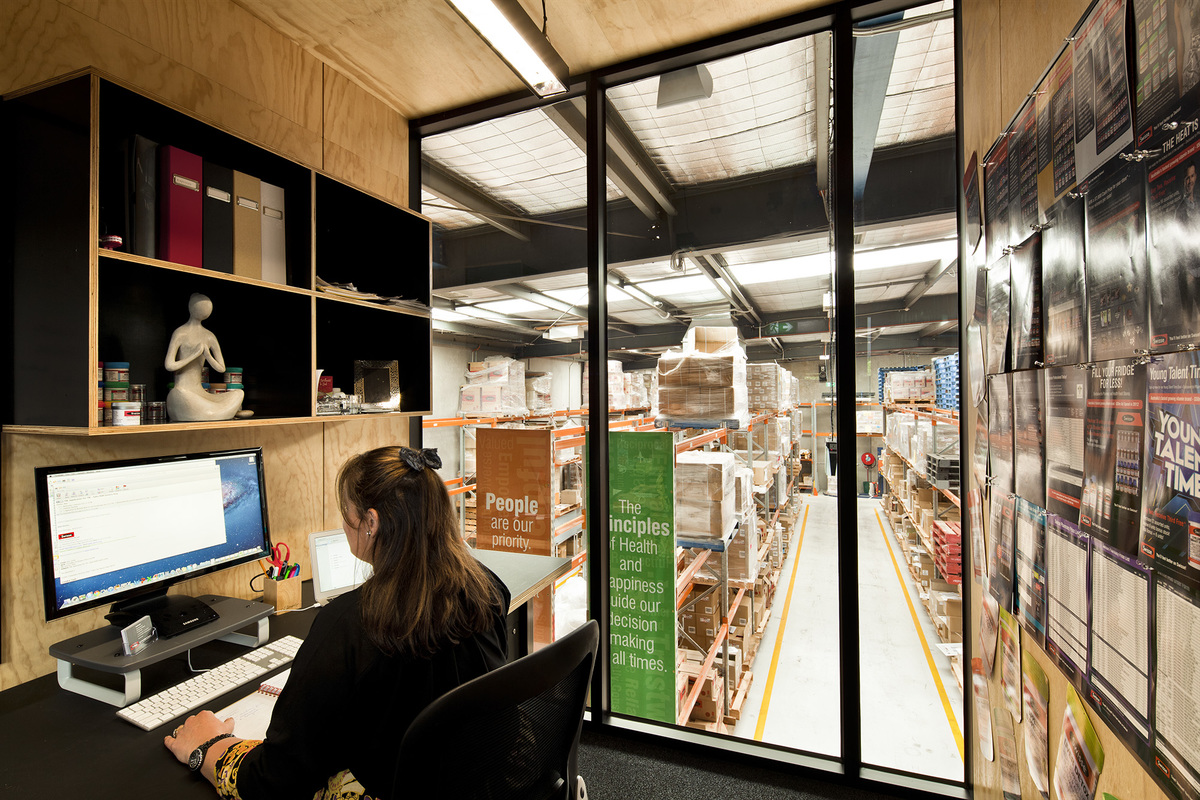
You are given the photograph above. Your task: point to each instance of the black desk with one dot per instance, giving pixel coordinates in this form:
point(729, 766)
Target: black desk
point(65, 745)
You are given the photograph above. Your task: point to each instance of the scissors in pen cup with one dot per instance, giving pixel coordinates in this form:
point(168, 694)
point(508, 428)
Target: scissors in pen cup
point(281, 554)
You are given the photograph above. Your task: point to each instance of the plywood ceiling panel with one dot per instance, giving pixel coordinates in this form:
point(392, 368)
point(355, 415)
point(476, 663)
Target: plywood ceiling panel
point(420, 57)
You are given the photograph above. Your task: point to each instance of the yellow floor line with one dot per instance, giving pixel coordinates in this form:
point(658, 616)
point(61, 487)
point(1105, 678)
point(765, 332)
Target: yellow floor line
point(937, 678)
point(766, 701)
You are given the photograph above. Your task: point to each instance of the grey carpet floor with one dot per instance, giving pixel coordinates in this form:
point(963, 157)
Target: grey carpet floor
point(616, 766)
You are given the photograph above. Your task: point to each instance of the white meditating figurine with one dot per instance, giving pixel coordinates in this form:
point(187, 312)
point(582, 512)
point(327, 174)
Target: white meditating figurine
point(191, 345)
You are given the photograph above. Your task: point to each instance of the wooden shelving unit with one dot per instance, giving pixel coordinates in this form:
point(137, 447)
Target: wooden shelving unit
point(81, 304)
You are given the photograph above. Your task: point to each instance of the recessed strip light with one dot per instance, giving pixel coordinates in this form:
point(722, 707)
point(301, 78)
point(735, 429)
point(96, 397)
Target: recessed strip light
point(509, 31)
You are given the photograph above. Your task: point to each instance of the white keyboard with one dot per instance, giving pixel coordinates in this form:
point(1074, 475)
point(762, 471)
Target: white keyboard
point(181, 698)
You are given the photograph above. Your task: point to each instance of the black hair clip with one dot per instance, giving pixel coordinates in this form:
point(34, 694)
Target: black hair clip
point(417, 460)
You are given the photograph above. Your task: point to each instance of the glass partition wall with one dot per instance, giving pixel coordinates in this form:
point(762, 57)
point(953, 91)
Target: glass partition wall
point(689, 255)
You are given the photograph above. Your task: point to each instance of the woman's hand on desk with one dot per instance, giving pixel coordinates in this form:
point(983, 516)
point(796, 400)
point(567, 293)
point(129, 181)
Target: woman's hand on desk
point(195, 731)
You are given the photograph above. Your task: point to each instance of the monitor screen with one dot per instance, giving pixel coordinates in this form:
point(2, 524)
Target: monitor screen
point(117, 530)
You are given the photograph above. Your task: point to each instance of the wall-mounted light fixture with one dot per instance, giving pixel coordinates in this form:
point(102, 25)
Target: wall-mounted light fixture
point(516, 38)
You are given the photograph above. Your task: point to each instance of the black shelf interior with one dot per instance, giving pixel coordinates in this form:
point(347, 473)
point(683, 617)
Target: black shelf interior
point(263, 331)
point(124, 113)
point(377, 246)
point(347, 332)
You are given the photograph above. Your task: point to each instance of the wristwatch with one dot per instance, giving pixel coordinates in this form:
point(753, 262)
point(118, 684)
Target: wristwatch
point(196, 759)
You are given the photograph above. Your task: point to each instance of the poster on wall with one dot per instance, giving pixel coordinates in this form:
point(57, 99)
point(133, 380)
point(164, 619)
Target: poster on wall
point(989, 626)
point(1166, 64)
point(514, 507)
point(1066, 409)
point(1119, 649)
point(1023, 172)
point(1029, 436)
point(1057, 92)
point(1174, 247)
point(1170, 535)
point(1001, 561)
point(1025, 324)
point(1080, 758)
point(1010, 663)
point(1006, 748)
point(1031, 569)
point(642, 630)
point(1177, 687)
point(1036, 693)
point(1116, 262)
point(1103, 116)
point(1110, 508)
point(1067, 573)
point(1000, 434)
point(997, 206)
point(974, 354)
point(1063, 296)
point(998, 293)
point(974, 207)
point(983, 707)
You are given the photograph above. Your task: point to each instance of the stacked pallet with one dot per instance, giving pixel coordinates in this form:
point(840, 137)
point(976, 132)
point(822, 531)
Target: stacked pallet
point(946, 382)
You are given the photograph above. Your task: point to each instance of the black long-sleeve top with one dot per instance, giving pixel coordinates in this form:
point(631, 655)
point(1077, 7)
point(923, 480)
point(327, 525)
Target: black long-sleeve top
point(346, 705)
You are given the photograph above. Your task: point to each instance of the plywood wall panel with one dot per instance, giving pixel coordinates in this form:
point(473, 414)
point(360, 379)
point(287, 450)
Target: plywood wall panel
point(1032, 34)
point(366, 142)
point(293, 456)
point(279, 107)
point(345, 438)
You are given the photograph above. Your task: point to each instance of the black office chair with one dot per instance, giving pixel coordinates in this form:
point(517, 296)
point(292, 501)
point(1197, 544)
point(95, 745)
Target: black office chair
point(512, 733)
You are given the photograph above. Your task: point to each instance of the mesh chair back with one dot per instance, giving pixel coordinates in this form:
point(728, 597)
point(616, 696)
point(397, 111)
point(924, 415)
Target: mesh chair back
point(512, 733)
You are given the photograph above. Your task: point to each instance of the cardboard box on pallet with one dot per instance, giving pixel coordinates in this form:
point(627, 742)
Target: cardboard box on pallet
point(743, 553)
point(701, 628)
point(704, 494)
point(702, 370)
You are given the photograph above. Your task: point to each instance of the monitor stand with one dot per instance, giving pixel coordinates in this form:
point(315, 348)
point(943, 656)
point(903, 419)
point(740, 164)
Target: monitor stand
point(170, 614)
point(101, 649)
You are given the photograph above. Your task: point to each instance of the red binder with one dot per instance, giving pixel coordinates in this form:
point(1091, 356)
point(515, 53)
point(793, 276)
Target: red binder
point(180, 207)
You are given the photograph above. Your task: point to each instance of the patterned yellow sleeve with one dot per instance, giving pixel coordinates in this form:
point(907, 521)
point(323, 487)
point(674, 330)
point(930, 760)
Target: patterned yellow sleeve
point(227, 767)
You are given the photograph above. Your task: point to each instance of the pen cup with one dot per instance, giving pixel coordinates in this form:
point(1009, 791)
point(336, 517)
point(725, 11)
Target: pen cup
point(284, 594)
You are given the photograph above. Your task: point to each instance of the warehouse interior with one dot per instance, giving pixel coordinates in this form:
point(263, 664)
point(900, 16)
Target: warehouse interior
point(718, 217)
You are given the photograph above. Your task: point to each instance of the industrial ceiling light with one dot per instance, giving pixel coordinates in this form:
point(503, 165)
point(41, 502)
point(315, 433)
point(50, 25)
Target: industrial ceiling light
point(684, 85)
point(509, 31)
point(563, 333)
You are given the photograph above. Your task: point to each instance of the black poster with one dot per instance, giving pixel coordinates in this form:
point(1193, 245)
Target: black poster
point(1029, 456)
point(1159, 54)
point(1064, 299)
point(996, 208)
point(1103, 118)
point(1002, 553)
point(1025, 325)
point(1066, 408)
point(1110, 510)
point(974, 212)
point(1170, 536)
point(1062, 121)
point(998, 288)
point(1024, 157)
point(1000, 434)
point(1175, 242)
point(1116, 262)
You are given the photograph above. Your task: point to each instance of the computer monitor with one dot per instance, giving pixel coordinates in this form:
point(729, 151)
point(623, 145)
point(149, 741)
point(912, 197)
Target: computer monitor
point(122, 532)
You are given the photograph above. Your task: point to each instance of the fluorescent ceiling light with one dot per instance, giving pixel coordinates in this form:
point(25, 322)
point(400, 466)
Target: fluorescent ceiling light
point(446, 315)
point(686, 284)
point(514, 306)
point(944, 250)
point(509, 31)
point(564, 333)
point(799, 268)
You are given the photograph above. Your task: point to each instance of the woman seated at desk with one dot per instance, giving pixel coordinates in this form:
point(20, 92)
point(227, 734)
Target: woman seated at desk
point(431, 617)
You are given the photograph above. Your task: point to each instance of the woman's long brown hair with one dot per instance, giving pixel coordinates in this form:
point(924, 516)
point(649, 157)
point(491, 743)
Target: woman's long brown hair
point(426, 590)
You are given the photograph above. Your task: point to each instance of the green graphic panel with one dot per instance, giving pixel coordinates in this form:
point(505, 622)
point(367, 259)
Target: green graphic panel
point(641, 567)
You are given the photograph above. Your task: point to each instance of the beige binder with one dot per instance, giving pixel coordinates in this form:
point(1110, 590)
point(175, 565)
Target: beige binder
point(247, 226)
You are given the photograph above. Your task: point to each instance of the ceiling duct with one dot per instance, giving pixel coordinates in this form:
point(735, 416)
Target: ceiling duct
point(684, 86)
